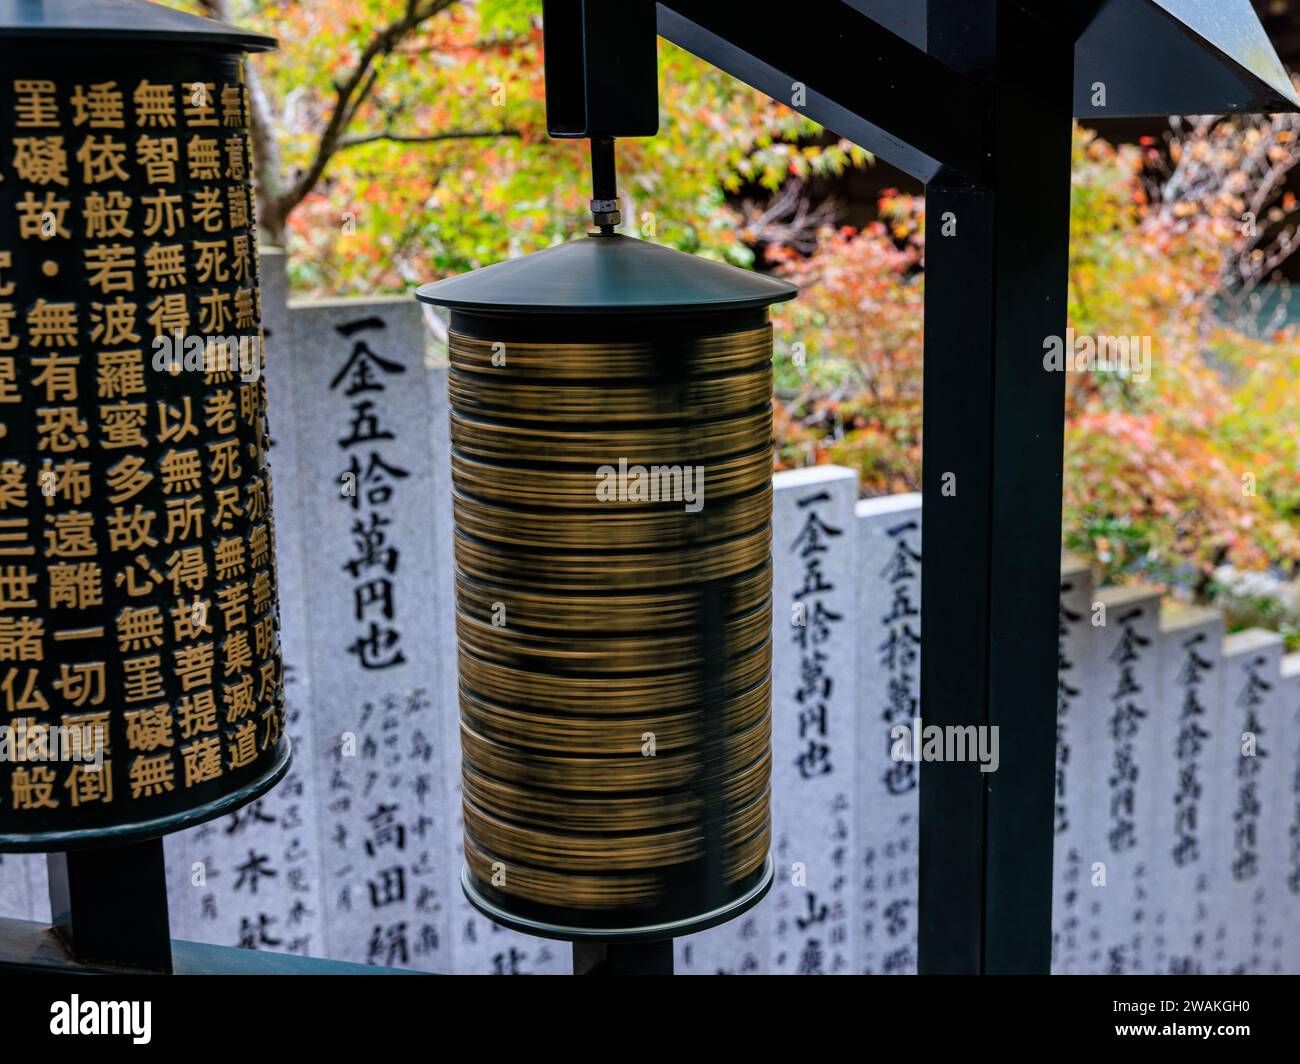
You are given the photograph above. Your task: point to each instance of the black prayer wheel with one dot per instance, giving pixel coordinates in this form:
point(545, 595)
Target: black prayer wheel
point(611, 427)
point(140, 676)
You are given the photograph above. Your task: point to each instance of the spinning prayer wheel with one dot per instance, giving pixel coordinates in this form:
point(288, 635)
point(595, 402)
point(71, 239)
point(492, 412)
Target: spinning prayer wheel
point(140, 676)
point(611, 427)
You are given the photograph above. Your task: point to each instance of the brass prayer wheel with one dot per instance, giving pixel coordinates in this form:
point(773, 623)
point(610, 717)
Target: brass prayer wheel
point(611, 434)
point(140, 675)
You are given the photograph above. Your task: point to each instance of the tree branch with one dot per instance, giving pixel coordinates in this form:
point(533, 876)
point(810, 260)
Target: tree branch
point(426, 138)
point(353, 91)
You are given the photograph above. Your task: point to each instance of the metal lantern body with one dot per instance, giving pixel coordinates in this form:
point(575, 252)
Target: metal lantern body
point(140, 680)
point(611, 469)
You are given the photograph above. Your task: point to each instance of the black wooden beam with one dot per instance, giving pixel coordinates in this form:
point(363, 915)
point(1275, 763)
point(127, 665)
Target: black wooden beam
point(996, 277)
point(863, 82)
point(958, 395)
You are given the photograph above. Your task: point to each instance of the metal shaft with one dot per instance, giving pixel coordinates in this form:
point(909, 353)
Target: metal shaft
point(604, 185)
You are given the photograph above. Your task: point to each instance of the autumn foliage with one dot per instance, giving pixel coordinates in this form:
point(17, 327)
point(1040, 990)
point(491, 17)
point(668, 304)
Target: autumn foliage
point(1165, 479)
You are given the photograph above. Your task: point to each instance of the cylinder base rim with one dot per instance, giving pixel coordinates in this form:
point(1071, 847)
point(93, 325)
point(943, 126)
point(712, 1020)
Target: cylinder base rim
point(644, 933)
point(119, 834)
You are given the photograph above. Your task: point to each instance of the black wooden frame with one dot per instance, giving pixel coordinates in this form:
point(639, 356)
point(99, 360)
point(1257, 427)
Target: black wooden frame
point(982, 114)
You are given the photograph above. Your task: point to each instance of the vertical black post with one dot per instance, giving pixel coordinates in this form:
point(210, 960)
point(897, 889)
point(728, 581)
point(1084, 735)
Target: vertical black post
point(996, 275)
point(110, 905)
point(623, 958)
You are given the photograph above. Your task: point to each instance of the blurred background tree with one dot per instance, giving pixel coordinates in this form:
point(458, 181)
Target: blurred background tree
point(1188, 479)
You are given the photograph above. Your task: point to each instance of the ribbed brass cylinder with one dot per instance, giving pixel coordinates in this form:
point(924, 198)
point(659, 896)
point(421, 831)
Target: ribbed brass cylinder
point(612, 503)
point(611, 490)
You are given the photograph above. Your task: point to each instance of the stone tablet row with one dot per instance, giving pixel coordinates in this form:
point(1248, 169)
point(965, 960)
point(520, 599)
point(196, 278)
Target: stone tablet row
point(1178, 813)
point(1177, 829)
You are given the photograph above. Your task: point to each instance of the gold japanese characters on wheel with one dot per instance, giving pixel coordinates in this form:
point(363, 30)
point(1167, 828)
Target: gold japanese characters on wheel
point(611, 484)
point(140, 676)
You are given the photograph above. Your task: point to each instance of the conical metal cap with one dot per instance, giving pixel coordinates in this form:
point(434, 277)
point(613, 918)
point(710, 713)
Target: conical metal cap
point(606, 275)
point(119, 21)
